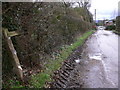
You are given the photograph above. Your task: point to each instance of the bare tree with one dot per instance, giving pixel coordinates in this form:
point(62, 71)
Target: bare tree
point(84, 3)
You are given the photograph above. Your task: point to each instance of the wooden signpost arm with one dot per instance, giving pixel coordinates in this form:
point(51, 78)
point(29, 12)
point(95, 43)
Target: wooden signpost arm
point(15, 61)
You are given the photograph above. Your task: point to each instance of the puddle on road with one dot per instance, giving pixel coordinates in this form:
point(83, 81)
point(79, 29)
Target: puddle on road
point(97, 56)
point(77, 60)
point(106, 34)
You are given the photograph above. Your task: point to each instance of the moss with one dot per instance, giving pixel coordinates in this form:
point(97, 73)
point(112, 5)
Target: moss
point(13, 84)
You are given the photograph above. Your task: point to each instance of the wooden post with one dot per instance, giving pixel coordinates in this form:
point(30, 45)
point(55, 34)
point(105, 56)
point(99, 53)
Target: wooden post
point(16, 64)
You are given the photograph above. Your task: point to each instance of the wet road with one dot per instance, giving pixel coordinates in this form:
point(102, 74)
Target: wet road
point(99, 63)
point(95, 65)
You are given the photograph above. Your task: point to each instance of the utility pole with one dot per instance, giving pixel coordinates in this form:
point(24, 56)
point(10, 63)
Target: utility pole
point(95, 15)
point(119, 8)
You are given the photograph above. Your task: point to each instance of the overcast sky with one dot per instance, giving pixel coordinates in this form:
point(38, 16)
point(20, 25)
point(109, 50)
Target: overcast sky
point(105, 9)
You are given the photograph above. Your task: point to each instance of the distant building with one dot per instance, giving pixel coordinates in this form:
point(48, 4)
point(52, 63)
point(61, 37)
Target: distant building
point(109, 22)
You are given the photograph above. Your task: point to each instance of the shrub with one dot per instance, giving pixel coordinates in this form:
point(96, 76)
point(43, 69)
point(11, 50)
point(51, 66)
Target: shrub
point(111, 27)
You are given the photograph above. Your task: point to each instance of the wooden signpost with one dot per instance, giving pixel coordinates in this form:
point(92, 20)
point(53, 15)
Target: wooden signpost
point(15, 61)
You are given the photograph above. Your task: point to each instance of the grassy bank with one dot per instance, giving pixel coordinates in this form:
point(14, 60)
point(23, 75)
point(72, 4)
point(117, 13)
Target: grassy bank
point(39, 80)
point(116, 32)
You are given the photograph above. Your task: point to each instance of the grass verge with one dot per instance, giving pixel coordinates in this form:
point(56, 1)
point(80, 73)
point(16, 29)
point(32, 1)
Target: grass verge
point(116, 32)
point(39, 80)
